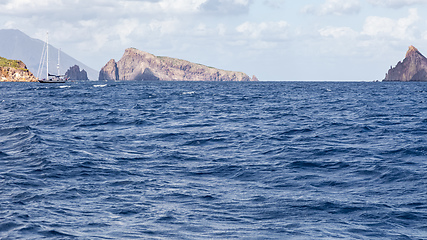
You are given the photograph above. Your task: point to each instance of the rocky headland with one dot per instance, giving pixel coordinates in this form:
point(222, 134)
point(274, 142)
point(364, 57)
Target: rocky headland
point(74, 73)
point(412, 69)
point(15, 71)
point(140, 65)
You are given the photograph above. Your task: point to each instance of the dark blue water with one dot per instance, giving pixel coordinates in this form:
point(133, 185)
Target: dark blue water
point(180, 160)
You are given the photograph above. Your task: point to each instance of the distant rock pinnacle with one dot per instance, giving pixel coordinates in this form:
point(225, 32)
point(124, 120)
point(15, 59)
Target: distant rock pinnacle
point(412, 50)
point(412, 68)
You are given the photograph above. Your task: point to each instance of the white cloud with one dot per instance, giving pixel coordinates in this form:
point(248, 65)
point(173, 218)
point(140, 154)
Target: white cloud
point(338, 32)
point(125, 27)
point(121, 7)
point(93, 24)
point(221, 29)
point(334, 7)
point(181, 6)
point(270, 31)
point(164, 27)
point(403, 28)
point(274, 3)
point(264, 35)
point(226, 6)
point(396, 3)
point(15, 7)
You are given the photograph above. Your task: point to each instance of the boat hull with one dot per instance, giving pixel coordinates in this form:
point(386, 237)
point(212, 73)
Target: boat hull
point(44, 81)
point(54, 79)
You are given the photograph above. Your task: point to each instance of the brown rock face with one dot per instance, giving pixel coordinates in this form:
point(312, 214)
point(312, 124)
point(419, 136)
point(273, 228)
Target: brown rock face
point(16, 74)
point(139, 65)
point(412, 68)
point(254, 78)
point(74, 73)
point(109, 71)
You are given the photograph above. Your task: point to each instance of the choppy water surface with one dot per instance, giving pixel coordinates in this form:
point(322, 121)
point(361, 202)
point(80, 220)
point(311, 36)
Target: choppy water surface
point(180, 160)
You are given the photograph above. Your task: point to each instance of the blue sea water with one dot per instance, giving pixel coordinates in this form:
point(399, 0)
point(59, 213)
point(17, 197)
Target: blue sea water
point(213, 160)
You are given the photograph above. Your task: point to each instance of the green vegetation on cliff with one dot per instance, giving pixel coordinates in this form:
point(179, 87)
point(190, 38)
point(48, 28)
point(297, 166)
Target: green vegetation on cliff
point(15, 71)
point(4, 62)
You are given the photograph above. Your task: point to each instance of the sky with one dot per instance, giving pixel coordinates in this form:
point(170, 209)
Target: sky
point(272, 39)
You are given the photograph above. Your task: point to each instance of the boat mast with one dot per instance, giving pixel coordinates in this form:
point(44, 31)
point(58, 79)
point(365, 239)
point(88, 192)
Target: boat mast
point(47, 57)
point(59, 59)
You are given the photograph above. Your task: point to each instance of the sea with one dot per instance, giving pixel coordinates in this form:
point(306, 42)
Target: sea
point(213, 160)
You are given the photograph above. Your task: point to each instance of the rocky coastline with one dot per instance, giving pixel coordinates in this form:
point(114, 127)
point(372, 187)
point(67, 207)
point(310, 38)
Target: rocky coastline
point(15, 71)
point(139, 65)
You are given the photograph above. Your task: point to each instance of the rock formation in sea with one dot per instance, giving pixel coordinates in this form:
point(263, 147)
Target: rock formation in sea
point(109, 71)
point(412, 68)
point(139, 65)
point(74, 73)
point(15, 71)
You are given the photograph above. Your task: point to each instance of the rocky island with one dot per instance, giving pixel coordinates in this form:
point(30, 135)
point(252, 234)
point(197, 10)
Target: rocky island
point(412, 69)
point(15, 71)
point(140, 65)
point(74, 73)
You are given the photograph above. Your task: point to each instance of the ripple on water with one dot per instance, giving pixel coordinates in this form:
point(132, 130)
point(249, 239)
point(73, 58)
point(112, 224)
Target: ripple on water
point(181, 160)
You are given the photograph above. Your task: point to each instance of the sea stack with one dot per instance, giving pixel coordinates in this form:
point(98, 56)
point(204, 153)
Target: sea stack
point(74, 73)
point(412, 69)
point(140, 65)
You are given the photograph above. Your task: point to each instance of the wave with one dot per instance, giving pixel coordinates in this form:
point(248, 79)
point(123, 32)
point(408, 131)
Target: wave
point(18, 140)
point(213, 160)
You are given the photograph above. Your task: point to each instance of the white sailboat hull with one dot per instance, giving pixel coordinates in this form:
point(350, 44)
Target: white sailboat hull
point(54, 79)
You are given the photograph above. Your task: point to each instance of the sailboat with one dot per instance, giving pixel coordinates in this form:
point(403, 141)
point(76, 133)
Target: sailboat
point(50, 78)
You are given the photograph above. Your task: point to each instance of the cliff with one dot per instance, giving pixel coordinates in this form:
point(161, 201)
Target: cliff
point(139, 65)
point(109, 71)
point(74, 73)
point(412, 68)
point(15, 71)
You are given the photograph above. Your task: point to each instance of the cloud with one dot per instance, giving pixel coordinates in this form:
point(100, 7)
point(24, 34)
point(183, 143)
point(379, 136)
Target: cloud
point(274, 3)
point(226, 6)
point(165, 27)
point(99, 22)
point(338, 32)
point(98, 7)
point(266, 31)
point(403, 28)
point(21, 7)
point(396, 3)
point(334, 7)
